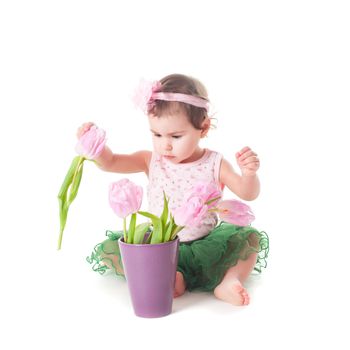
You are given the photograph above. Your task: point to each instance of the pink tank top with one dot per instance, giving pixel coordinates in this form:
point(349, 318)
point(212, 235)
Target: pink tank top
point(178, 179)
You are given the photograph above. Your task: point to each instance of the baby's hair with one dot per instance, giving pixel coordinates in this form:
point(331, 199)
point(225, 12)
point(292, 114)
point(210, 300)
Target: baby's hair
point(182, 84)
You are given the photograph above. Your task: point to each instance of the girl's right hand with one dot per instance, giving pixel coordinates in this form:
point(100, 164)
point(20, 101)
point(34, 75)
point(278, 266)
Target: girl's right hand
point(83, 129)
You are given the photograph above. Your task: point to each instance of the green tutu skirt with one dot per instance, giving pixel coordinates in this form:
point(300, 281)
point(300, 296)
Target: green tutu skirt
point(202, 262)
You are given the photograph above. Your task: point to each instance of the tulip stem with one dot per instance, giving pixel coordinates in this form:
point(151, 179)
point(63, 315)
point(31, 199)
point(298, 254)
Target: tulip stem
point(124, 227)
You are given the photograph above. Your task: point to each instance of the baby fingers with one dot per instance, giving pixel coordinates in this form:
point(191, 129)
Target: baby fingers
point(84, 128)
point(250, 160)
point(248, 154)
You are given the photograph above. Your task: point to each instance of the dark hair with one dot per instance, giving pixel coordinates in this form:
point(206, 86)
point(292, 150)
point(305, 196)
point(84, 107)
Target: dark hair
point(183, 84)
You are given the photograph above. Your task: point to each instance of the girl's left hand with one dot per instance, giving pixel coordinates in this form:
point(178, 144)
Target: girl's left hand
point(248, 161)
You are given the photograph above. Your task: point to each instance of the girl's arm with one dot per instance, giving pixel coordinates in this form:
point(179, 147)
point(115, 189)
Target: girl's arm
point(124, 163)
point(119, 163)
point(247, 185)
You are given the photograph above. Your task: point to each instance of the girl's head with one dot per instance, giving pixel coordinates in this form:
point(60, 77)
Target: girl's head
point(178, 117)
point(181, 84)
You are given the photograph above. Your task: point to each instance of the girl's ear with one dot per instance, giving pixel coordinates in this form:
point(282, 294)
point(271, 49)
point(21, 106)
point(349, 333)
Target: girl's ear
point(205, 127)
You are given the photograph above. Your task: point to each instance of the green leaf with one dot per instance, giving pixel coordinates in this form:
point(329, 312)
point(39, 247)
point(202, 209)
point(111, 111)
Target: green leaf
point(62, 195)
point(73, 191)
point(69, 177)
point(167, 235)
point(131, 230)
point(140, 232)
point(157, 234)
point(164, 216)
point(176, 231)
point(63, 210)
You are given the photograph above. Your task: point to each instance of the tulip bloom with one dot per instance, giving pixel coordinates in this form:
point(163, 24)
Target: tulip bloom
point(91, 144)
point(207, 191)
point(125, 197)
point(202, 197)
point(191, 213)
point(235, 212)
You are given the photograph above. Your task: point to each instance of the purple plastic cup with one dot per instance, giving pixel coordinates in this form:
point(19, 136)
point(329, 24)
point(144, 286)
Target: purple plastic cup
point(150, 271)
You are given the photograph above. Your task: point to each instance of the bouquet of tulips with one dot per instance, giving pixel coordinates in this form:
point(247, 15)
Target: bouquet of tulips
point(125, 199)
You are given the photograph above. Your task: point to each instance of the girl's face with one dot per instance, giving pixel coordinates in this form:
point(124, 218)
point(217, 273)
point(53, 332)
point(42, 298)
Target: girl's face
point(175, 138)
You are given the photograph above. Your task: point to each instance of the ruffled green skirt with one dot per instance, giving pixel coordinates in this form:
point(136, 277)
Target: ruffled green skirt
point(202, 262)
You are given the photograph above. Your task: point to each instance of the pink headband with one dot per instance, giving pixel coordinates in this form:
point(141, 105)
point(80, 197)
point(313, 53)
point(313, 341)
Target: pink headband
point(146, 94)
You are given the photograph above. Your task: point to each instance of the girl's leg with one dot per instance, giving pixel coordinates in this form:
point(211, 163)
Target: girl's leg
point(231, 287)
point(107, 255)
point(113, 262)
point(180, 285)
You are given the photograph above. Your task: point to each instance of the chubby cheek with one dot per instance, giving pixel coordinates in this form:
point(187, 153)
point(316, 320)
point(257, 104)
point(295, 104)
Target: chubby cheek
point(186, 148)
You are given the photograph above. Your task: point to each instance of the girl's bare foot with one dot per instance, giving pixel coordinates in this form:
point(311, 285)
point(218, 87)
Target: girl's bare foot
point(232, 292)
point(180, 285)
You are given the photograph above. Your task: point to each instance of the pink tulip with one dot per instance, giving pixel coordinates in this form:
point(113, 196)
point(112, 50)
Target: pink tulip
point(125, 197)
point(235, 212)
point(191, 213)
point(91, 144)
point(207, 191)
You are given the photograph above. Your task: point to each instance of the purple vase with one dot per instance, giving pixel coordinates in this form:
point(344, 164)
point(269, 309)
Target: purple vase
point(150, 271)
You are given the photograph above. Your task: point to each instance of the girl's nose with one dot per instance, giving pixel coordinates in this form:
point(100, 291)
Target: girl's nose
point(168, 146)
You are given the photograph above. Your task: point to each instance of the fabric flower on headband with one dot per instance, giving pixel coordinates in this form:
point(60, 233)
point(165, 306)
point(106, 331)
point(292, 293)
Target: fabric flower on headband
point(142, 97)
point(147, 92)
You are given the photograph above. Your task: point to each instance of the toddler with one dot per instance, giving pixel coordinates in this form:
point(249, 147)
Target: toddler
point(214, 256)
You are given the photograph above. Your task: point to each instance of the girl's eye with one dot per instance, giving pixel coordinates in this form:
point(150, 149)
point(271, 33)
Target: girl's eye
point(157, 135)
point(177, 137)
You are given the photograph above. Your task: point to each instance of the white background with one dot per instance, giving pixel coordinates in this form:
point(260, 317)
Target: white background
point(278, 75)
